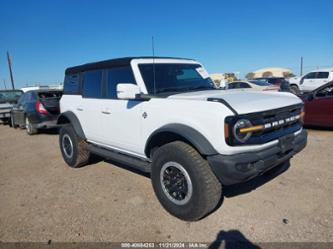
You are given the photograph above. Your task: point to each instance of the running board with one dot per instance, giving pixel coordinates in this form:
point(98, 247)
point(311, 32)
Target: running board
point(133, 162)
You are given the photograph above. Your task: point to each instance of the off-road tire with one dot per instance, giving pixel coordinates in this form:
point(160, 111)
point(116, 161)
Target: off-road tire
point(207, 190)
point(30, 128)
point(81, 154)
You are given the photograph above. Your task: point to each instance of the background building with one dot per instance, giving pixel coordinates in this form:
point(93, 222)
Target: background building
point(274, 72)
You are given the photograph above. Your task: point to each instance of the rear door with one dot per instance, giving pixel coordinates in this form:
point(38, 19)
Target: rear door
point(89, 108)
point(321, 79)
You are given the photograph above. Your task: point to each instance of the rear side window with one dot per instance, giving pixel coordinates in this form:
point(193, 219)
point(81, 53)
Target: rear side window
point(115, 76)
point(322, 75)
point(72, 84)
point(92, 84)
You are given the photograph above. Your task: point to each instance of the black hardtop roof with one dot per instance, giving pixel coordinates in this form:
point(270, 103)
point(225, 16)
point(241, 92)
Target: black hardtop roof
point(118, 62)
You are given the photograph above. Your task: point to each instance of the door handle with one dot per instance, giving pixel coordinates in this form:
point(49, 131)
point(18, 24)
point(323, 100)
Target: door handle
point(79, 109)
point(106, 112)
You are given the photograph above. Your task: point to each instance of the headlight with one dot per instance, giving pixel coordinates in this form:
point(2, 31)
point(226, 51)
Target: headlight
point(240, 130)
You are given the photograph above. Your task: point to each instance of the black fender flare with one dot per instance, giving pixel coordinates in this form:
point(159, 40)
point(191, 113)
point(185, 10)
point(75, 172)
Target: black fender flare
point(70, 117)
point(194, 137)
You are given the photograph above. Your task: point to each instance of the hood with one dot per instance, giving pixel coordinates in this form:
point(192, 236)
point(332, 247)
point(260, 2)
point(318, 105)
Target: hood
point(246, 101)
point(296, 79)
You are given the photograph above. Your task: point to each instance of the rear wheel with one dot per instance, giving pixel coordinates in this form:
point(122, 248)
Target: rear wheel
point(12, 122)
point(30, 128)
point(183, 181)
point(73, 148)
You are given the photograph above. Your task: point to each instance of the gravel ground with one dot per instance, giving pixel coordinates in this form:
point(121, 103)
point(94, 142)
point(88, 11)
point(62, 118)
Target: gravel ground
point(42, 199)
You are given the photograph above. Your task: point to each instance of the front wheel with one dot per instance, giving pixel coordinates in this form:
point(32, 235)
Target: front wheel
point(184, 182)
point(294, 89)
point(73, 148)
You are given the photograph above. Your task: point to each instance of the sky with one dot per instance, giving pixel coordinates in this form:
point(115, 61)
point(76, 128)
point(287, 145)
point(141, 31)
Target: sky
point(46, 36)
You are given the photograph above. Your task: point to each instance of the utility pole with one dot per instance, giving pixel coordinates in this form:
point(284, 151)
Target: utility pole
point(10, 70)
point(301, 71)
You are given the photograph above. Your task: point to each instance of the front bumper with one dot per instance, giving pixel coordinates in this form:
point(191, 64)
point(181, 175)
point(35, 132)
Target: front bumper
point(232, 169)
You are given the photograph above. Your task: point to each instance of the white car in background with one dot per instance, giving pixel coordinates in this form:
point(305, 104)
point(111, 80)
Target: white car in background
point(254, 85)
point(311, 80)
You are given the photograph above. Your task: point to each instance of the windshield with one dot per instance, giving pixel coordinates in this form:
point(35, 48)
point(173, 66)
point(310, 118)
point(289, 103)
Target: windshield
point(6, 96)
point(260, 82)
point(175, 77)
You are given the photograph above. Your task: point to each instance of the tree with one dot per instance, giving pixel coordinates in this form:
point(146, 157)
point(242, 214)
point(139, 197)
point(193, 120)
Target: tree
point(288, 74)
point(250, 76)
point(267, 74)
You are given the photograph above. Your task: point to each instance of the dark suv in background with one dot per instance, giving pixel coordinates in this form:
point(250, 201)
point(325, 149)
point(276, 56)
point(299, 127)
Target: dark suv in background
point(277, 81)
point(36, 109)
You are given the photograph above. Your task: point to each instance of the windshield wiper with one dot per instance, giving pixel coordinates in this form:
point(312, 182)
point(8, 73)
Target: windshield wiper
point(184, 89)
point(171, 89)
point(200, 88)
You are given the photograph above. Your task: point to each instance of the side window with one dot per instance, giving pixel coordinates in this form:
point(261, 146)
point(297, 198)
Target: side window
point(325, 92)
point(115, 76)
point(232, 86)
point(322, 75)
point(72, 84)
point(244, 85)
point(92, 84)
point(20, 100)
point(27, 97)
point(310, 75)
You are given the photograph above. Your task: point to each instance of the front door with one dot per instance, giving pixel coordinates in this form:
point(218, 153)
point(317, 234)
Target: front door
point(308, 81)
point(319, 111)
point(121, 119)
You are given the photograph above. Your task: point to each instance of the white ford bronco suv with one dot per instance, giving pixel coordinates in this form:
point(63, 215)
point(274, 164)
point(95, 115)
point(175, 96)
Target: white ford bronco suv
point(164, 116)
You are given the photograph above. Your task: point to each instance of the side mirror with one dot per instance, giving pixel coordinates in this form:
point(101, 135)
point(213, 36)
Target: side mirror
point(127, 91)
point(311, 97)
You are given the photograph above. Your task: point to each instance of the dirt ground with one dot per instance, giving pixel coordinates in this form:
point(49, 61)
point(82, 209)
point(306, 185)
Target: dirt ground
point(42, 199)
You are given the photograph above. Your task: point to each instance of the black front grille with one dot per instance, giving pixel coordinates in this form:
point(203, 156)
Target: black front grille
point(269, 117)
